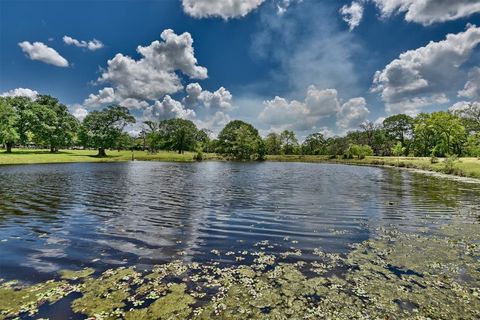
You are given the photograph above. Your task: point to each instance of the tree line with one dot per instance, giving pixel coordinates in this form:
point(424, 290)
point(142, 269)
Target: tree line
point(436, 134)
point(45, 122)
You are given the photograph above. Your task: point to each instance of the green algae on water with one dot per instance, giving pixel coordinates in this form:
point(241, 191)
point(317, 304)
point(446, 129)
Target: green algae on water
point(74, 275)
point(395, 275)
point(15, 299)
point(174, 305)
point(104, 297)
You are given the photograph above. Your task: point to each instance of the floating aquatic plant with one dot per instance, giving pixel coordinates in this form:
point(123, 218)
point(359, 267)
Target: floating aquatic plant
point(395, 275)
point(15, 300)
point(74, 275)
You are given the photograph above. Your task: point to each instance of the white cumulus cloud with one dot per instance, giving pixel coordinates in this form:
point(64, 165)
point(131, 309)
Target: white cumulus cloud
point(422, 77)
point(167, 109)
point(90, 45)
point(352, 113)
point(132, 103)
point(41, 52)
point(462, 105)
point(281, 112)
point(78, 111)
point(471, 90)
point(308, 115)
point(104, 96)
point(352, 14)
point(21, 92)
point(155, 74)
point(300, 115)
point(216, 122)
point(219, 99)
point(427, 12)
point(108, 96)
point(321, 103)
point(220, 8)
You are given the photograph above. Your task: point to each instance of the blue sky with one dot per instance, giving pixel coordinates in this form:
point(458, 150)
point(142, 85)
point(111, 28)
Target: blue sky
point(280, 64)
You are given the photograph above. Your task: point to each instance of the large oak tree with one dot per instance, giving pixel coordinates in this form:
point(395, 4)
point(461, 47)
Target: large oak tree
point(240, 140)
point(103, 129)
point(51, 123)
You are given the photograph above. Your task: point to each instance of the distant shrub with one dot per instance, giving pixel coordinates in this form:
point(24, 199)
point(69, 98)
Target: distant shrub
point(378, 162)
point(198, 156)
point(359, 150)
point(449, 164)
point(398, 149)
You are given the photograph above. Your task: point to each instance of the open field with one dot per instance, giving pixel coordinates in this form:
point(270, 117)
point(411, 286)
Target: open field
point(468, 167)
point(26, 156)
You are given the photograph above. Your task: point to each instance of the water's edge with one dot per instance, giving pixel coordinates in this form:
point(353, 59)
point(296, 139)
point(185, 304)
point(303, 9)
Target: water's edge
point(433, 173)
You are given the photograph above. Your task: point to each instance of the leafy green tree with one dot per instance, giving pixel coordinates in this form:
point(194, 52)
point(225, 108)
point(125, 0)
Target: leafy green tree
point(439, 133)
point(424, 135)
point(337, 146)
point(125, 142)
point(203, 136)
point(451, 131)
point(153, 137)
point(215, 146)
point(449, 164)
point(203, 140)
point(400, 128)
point(273, 143)
point(179, 134)
point(289, 142)
point(398, 150)
point(315, 144)
point(102, 129)
point(369, 130)
point(240, 140)
point(473, 145)
point(357, 137)
point(40, 119)
point(8, 124)
point(360, 151)
point(141, 140)
point(23, 110)
point(381, 143)
point(51, 123)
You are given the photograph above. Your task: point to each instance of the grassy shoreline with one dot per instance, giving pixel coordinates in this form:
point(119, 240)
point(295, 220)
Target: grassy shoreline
point(36, 156)
point(464, 167)
point(467, 167)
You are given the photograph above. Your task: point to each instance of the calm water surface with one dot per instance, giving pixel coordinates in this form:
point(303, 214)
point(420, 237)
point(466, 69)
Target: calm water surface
point(54, 217)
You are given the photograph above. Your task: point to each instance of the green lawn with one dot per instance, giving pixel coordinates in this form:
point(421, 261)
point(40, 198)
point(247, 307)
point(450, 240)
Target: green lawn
point(469, 167)
point(25, 156)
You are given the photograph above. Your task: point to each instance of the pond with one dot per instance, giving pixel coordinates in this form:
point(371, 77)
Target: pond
point(222, 215)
